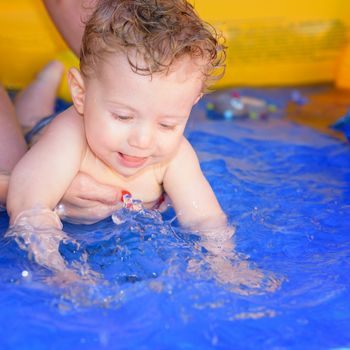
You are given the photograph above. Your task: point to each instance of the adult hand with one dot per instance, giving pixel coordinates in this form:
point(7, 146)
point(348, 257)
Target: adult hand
point(88, 201)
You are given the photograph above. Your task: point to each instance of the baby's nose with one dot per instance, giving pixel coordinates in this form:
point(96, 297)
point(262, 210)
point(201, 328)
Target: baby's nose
point(141, 137)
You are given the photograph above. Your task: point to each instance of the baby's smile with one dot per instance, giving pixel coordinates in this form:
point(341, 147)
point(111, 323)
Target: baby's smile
point(131, 161)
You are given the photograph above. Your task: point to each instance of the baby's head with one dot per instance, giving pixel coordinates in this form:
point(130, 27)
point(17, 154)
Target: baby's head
point(153, 35)
point(144, 64)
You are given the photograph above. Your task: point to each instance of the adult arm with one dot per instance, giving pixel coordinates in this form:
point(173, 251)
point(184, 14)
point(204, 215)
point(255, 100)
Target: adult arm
point(69, 17)
point(4, 180)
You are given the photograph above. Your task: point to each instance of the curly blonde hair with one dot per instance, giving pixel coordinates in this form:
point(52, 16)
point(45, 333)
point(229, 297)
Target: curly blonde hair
point(153, 32)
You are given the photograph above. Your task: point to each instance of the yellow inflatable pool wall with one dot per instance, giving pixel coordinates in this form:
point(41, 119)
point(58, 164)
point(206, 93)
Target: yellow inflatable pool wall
point(28, 41)
point(270, 42)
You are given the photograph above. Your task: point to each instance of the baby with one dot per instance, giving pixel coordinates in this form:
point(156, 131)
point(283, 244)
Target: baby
point(143, 65)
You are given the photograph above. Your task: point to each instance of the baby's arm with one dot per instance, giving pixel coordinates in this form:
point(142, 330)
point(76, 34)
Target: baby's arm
point(41, 178)
point(197, 207)
point(192, 197)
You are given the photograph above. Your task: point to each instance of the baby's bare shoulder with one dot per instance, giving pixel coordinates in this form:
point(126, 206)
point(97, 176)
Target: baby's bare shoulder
point(185, 154)
point(69, 120)
point(67, 129)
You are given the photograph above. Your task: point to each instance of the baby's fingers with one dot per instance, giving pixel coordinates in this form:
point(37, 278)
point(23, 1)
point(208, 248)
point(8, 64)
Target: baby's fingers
point(53, 261)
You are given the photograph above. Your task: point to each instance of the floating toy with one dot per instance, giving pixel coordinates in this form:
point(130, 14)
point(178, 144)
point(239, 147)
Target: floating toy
point(130, 207)
point(125, 195)
point(239, 107)
point(131, 203)
point(299, 99)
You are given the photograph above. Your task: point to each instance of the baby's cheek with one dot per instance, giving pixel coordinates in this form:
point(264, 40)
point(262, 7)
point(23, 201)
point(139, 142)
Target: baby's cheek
point(171, 145)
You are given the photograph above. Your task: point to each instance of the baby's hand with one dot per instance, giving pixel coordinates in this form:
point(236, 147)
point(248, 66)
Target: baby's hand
point(228, 267)
point(39, 231)
point(219, 240)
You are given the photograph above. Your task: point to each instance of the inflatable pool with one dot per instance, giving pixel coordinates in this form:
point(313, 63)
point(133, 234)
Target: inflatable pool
point(286, 189)
point(270, 43)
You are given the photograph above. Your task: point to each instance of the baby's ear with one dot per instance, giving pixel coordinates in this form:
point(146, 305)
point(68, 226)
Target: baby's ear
point(77, 89)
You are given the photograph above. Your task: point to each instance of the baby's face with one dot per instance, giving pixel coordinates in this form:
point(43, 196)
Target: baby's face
point(134, 121)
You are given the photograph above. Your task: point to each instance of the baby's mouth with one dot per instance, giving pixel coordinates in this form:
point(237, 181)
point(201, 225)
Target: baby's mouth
point(132, 161)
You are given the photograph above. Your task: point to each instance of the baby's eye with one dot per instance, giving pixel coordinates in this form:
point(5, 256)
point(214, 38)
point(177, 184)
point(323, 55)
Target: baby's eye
point(167, 126)
point(121, 117)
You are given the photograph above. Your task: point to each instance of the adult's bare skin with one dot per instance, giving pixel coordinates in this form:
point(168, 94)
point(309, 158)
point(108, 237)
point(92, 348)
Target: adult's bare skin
point(4, 179)
point(87, 201)
point(11, 140)
point(97, 202)
point(69, 17)
point(11, 137)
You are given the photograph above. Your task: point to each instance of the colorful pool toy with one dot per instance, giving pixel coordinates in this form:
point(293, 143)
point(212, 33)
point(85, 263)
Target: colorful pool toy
point(236, 106)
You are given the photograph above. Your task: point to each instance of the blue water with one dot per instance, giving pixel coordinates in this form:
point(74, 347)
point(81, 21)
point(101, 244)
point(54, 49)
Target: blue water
point(285, 187)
